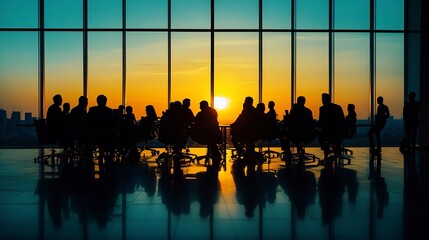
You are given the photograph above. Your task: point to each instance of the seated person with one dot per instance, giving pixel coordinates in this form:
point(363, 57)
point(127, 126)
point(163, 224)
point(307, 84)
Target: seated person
point(172, 127)
point(350, 121)
point(128, 133)
point(206, 131)
point(148, 124)
point(331, 123)
point(243, 134)
point(301, 127)
point(272, 124)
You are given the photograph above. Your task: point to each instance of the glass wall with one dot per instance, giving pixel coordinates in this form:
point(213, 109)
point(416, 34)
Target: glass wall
point(286, 49)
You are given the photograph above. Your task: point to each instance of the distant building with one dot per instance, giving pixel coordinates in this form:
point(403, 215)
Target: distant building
point(3, 122)
point(15, 119)
point(28, 118)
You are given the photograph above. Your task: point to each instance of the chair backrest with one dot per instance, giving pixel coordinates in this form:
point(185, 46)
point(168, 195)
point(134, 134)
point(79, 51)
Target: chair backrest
point(42, 132)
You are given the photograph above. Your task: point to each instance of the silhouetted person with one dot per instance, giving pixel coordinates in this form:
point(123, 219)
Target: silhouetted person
point(301, 125)
point(172, 127)
point(261, 120)
point(67, 137)
point(188, 115)
point(148, 124)
point(243, 134)
point(206, 131)
point(128, 135)
point(331, 123)
point(271, 124)
point(411, 119)
point(381, 117)
point(101, 124)
point(55, 119)
point(350, 121)
point(78, 116)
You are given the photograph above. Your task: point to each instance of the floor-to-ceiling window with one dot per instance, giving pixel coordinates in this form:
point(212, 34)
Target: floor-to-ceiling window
point(141, 52)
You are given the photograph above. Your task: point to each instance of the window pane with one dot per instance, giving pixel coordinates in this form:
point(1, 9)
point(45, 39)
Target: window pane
point(19, 72)
point(147, 14)
point(104, 13)
point(236, 14)
point(147, 72)
point(352, 79)
point(276, 14)
point(276, 83)
point(390, 82)
point(351, 14)
point(236, 71)
point(312, 68)
point(312, 14)
point(19, 13)
point(389, 14)
point(19, 95)
point(191, 68)
point(190, 14)
point(63, 69)
point(105, 67)
point(63, 14)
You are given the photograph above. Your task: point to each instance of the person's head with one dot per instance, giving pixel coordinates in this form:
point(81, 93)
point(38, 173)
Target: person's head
point(101, 100)
point(58, 100)
point(351, 107)
point(129, 110)
point(300, 100)
point(326, 98)
point(186, 102)
point(83, 101)
point(260, 107)
point(271, 104)
point(121, 109)
point(204, 105)
point(380, 100)
point(150, 111)
point(412, 96)
point(248, 100)
point(66, 107)
point(176, 105)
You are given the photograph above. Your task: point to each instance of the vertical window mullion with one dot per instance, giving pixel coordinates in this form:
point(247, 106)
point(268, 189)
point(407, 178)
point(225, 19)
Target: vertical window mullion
point(260, 52)
point(293, 54)
point(331, 49)
point(85, 47)
point(41, 57)
point(212, 79)
point(169, 54)
point(372, 60)
point(124, 50)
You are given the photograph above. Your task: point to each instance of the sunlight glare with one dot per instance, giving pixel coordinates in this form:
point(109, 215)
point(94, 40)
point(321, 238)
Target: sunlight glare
point(220, 102)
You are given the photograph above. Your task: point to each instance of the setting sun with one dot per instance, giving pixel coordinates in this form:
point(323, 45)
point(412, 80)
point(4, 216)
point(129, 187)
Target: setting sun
point(221, 102)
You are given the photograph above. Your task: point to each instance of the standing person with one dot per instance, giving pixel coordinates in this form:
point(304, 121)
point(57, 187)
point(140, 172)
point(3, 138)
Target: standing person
point(411, 119)
point(381, 117)
point(101, 126)
point(78, 123)
point(331, 122)
point(54, 119)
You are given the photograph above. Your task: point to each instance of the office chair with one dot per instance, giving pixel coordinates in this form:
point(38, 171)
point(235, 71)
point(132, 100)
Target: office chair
point(46, 139)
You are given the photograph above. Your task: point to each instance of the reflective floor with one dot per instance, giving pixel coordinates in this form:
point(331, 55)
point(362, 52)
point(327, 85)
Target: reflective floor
point(363, 200)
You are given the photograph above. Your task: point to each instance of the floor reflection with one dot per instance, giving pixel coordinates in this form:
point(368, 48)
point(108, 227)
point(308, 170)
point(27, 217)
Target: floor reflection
point(376, 197)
